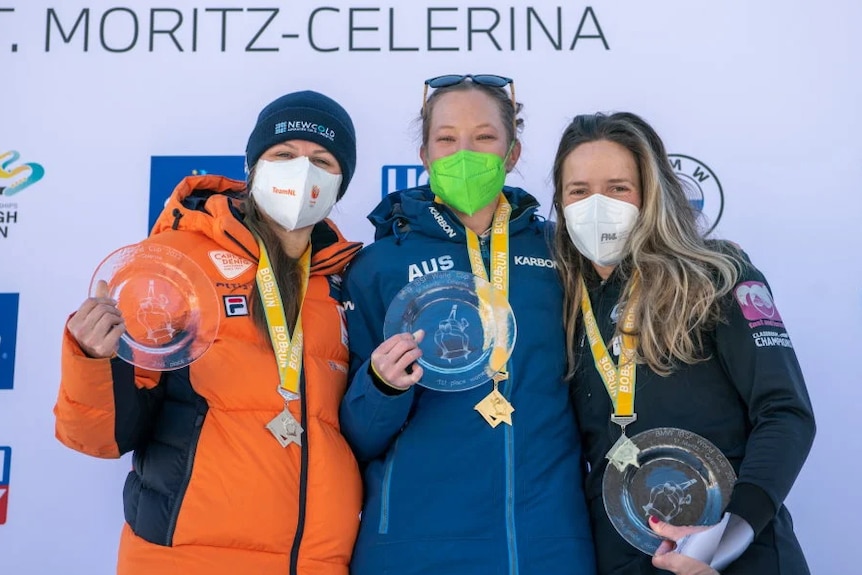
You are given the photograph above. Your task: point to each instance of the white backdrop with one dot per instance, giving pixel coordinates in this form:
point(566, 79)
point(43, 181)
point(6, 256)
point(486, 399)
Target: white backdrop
point(766, 94)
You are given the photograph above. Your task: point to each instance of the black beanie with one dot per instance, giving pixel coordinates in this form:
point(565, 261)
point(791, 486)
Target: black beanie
point(308, 116)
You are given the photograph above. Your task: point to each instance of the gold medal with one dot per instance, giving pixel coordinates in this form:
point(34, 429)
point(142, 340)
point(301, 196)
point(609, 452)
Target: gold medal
point(495, 408)
point(623, 453)
point(285, 428)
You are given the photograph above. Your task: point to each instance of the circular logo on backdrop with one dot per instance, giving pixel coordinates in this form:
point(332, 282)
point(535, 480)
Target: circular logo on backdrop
point(702, 187)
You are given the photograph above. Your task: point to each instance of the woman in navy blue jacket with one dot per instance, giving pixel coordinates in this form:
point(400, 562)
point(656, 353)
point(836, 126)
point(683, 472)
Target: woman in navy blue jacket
point(448, 489)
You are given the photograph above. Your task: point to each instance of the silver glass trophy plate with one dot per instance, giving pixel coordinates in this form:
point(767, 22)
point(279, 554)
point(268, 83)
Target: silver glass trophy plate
point(681, 478)
point(169, 305)
point(461, 328)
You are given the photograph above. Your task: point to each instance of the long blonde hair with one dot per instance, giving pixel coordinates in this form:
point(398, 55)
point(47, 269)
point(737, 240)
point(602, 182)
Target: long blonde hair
point(682, 276)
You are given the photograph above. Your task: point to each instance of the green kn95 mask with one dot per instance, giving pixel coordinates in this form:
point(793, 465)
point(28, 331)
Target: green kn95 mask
point(467, 180)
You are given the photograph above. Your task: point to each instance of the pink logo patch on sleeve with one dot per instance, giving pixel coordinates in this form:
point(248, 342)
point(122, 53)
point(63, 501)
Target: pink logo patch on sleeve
point(755, 301)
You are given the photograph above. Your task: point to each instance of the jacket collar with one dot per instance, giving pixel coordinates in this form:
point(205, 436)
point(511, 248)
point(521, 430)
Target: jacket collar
point(415, 209)
point(213, 206)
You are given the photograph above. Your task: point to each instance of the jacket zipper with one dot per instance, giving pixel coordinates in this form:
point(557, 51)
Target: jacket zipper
point(510, 485)
point(383, 527)
point(303, 462)
point(303, 479)
point(242, 246)
point(509, 449)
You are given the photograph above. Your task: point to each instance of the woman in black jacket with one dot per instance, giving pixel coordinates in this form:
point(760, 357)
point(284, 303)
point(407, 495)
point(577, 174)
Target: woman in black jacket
point(667, 329)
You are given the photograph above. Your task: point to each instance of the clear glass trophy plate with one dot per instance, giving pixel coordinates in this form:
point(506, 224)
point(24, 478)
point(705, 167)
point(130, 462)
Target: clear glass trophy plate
point(168, 303)
point(681, 478)
point(468, 339)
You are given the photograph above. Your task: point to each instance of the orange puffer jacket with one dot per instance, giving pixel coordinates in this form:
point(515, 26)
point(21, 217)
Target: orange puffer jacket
point(211, 491)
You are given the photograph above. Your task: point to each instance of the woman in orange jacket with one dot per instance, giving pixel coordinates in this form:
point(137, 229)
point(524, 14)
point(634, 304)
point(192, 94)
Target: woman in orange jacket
point(239, 465)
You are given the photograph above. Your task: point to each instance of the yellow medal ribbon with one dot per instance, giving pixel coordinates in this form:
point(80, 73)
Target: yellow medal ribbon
point(492, 293)
point(288, 350)
point(499, 280)
point(619, 379)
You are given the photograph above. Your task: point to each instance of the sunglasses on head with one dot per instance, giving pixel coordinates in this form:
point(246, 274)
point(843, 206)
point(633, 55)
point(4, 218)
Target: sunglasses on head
point(481, 79)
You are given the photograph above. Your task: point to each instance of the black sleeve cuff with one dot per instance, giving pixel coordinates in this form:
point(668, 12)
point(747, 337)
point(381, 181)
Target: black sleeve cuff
point(752, 504)
point(135, 408)
point(381, 385)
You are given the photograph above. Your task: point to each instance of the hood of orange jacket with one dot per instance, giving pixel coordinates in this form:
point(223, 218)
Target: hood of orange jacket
point(214, 205)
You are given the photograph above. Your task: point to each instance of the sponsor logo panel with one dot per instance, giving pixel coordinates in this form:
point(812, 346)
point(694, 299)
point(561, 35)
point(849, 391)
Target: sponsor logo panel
point(702, 187)
point(396, 177)
point(5, 472)
point(15, 177)
point(8, 337)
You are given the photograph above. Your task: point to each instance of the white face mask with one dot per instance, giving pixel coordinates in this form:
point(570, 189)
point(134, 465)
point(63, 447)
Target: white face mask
point(295, 193)
point(599, 227)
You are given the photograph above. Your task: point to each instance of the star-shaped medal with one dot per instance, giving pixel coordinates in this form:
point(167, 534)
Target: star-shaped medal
point(285, 428)
point(623, 453)
point(495, 408)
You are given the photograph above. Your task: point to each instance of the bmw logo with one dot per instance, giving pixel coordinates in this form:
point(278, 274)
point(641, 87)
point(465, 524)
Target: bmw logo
point(702, 187)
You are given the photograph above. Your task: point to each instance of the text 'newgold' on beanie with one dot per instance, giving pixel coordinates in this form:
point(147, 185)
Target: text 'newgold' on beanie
point(311, 116)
